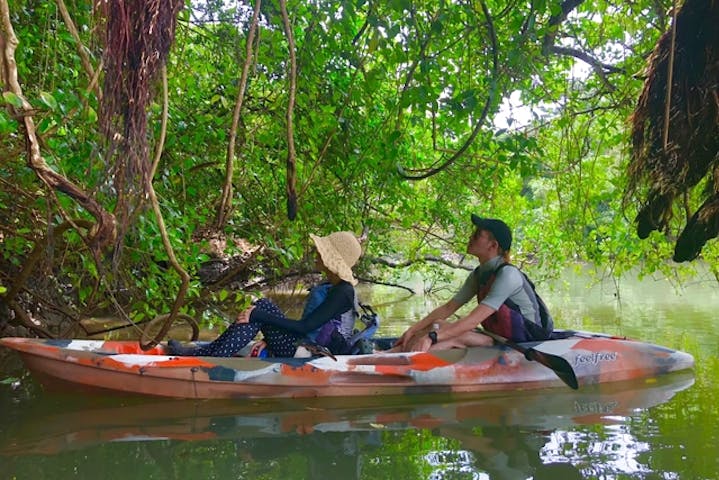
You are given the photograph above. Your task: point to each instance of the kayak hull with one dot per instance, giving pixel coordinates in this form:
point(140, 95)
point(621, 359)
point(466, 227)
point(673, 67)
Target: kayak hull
point(120, 366)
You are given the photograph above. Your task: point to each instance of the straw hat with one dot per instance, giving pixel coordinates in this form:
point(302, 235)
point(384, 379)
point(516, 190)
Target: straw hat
point(339, 252)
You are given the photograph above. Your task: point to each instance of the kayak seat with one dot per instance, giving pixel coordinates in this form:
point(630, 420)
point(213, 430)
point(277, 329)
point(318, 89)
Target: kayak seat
point(561, 334)
point(361, 342)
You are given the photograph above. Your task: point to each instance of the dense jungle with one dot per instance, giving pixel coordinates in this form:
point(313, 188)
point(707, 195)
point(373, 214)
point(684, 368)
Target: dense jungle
point(167, 158)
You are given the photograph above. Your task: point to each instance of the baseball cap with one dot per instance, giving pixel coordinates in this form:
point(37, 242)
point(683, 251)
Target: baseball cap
point(498, 228)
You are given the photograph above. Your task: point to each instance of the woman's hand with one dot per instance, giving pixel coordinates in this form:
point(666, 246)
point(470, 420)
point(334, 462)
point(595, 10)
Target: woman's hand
point(244, 315)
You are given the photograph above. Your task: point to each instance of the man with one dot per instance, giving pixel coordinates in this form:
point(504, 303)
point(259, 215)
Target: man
point(507, 303)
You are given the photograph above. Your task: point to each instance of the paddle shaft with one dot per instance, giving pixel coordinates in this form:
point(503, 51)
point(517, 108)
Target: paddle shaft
point(503, 341)
point(560, 366)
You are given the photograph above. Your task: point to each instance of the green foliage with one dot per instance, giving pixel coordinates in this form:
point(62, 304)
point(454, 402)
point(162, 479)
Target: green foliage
point(12, 99)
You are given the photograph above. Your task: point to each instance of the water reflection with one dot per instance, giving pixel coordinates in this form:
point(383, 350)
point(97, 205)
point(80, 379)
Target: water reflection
point(501, 453)
point(519, 435)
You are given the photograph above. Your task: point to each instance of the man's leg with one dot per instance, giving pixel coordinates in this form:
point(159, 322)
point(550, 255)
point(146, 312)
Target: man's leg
point(468, 339)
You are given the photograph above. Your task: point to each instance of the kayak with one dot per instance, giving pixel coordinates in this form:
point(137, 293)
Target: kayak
point(41, 428)
point(122, 367)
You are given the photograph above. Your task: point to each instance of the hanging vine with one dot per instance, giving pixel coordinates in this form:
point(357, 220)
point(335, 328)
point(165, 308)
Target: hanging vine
point(225, 206)
point(675, 130)
point(291, 156)
point(138, 37)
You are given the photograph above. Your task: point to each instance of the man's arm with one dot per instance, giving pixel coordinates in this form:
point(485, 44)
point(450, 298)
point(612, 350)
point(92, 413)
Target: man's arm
point(465, 324)
point(437, 315)
point(449, 336)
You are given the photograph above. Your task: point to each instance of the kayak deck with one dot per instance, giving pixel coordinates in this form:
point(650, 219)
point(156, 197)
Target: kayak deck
point(121, 366)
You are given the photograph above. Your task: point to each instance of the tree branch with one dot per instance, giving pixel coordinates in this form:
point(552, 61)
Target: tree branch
point(223, 210)
point(387, 284)
point(104, 231)
point(291, 170)
point(483, 115)
point(84, 57)
point(599, 68)
point(184, 276)
point(425, 259)
point(555, 20)
point(549, 47)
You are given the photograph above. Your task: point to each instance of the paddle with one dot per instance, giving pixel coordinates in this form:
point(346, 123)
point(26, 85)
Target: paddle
point(560, 366)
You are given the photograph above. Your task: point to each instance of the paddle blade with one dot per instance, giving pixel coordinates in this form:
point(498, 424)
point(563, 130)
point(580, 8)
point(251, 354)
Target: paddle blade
point(561, 367)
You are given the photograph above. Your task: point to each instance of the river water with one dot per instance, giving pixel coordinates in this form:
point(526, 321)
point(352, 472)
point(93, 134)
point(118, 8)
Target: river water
point(657, 428)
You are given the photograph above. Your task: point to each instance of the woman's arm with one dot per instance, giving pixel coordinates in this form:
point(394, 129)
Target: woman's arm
point(340, 298)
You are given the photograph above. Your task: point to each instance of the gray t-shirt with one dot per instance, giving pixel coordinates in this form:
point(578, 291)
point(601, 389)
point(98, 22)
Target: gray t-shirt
point(509, 284)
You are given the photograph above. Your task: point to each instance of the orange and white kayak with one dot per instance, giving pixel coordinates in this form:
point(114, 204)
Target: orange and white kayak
point(121, 366)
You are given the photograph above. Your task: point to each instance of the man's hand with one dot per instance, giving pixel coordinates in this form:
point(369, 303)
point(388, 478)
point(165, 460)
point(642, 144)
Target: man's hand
point(244, 315)
point(405, 338)
point(419, 343)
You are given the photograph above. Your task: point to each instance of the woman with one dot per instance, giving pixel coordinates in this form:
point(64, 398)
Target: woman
point(332, 320)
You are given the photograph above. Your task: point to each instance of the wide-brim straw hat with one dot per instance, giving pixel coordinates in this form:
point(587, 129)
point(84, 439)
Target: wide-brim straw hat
point(339, 252)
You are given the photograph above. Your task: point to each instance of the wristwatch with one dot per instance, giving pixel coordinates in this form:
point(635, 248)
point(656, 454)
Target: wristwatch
point(433, 336)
